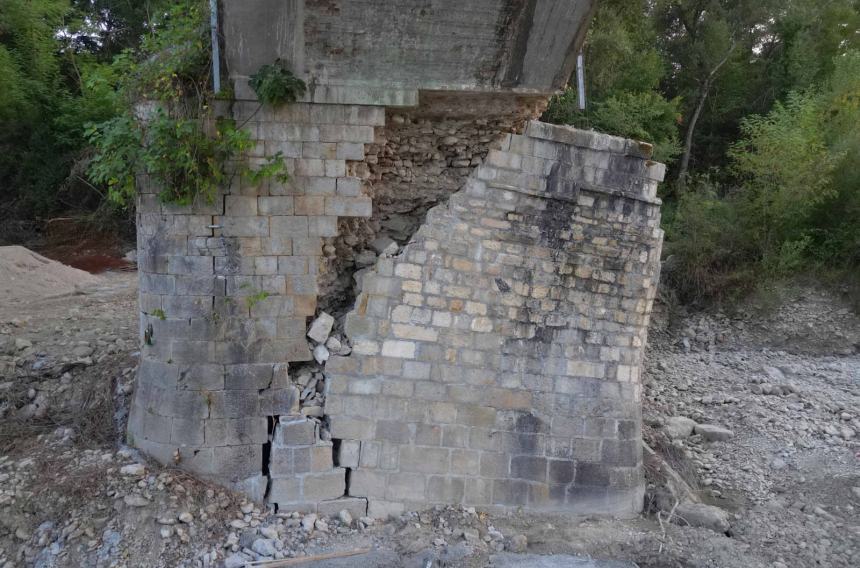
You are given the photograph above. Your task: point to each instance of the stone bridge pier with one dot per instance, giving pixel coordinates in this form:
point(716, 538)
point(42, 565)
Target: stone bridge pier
point(447, 303)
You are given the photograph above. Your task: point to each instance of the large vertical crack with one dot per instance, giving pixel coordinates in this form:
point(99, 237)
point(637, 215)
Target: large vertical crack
point(422, 157)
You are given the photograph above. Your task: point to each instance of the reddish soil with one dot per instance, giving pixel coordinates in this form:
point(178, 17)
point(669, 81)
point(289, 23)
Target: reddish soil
point(69, 241)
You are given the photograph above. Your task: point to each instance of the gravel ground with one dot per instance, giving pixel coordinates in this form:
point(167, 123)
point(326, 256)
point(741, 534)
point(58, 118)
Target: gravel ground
point(771, 401)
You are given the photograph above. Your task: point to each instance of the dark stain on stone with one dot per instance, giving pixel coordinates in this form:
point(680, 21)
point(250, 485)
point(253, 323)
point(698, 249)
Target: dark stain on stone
point(555, 219)
point(517, 54)
point(502, 286)
point(543, 335)
point(628, 207)
point(513, 29)
point(530, 424)
point(559, 182)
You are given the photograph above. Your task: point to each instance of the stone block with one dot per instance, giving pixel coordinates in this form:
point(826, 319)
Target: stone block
point(511, 492)
point(335, 168)
point(285, 490)
point(626, 453)
point(529, 468)
point(357, 507)
point(197, 265)
point(200, 377)
point(350, 151)
point(369, 456)
point(348, 206)
point(349, 187)
point(321, 328)
point(393, 431)
point(238, 462)
point(561, 471)
point(275, 205)
point(236, 431)
point(348, 453)
point(248, 377)
point(291, 431)
point(187, 432)
point(322, 226)
point(368, 483)
point(231, 404)
point(289, 226)
point(320, 150)
point(323, 486)
point(310, 205)
point(240, 206)
point(321, 457)
point(379, 509)
point(292, 265)
point(346, 427)
point(591, 474)
point(398, 349)
point(243, 226)
point(344, 133)
point(405, 487)
point(424, 459)
point(445, 489)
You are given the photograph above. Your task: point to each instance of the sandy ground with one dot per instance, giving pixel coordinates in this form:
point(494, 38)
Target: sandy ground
point(27, 276)
point(788, 477)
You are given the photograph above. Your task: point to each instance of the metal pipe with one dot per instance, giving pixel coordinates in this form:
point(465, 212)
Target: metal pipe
point(580, 81)
point(216, 47)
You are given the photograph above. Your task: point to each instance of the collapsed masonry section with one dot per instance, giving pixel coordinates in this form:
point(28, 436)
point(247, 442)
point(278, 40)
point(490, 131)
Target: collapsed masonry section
point(495, 360)
point(421, 156)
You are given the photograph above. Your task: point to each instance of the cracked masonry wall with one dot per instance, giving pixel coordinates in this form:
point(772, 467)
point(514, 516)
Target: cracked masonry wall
point(490, 282)
point(495, 360)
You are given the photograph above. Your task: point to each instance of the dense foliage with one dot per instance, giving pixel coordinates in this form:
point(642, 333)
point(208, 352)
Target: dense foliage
point(275, 85)
point(755, 108)
point(99, 90)
point(168, 128)
point(54, 61)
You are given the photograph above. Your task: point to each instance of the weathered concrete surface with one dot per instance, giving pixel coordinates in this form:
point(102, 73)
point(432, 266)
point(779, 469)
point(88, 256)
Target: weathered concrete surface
point(502, 45)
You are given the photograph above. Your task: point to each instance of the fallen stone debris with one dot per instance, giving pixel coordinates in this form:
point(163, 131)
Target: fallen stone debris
point(782, 490)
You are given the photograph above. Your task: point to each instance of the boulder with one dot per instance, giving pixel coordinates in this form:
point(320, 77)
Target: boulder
point(321, 328)
point(704, 516)
point(679, 427)
point(713, 433)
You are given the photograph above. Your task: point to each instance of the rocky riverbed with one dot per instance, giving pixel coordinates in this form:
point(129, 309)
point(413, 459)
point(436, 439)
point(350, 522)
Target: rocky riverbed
point(758, 415)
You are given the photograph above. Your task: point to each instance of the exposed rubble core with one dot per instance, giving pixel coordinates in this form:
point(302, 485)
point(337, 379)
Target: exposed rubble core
point(420, 158)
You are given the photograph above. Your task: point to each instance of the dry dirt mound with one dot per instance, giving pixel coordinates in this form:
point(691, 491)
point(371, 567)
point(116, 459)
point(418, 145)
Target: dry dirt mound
point(26, 276)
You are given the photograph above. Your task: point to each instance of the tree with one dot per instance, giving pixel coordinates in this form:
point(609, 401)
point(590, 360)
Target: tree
point(624, 70)
point(701, 37)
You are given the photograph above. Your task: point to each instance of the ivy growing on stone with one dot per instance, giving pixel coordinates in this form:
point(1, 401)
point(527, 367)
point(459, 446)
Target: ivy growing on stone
point(276, 85)
point(170, 130)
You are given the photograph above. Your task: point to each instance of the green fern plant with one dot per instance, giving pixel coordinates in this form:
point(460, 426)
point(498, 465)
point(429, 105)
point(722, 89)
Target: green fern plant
point(276, 85)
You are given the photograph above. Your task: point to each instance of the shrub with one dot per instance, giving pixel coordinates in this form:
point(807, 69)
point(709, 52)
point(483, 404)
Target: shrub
point(643, 116)
point(168, 129)
point(276, 85)
point(707, 253)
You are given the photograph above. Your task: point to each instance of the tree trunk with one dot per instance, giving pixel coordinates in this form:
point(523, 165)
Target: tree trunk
point(688, 137)
point(694, 119)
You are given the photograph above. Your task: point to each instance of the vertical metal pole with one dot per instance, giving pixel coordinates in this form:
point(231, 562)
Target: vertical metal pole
point(580, 80)
point(216, 47)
